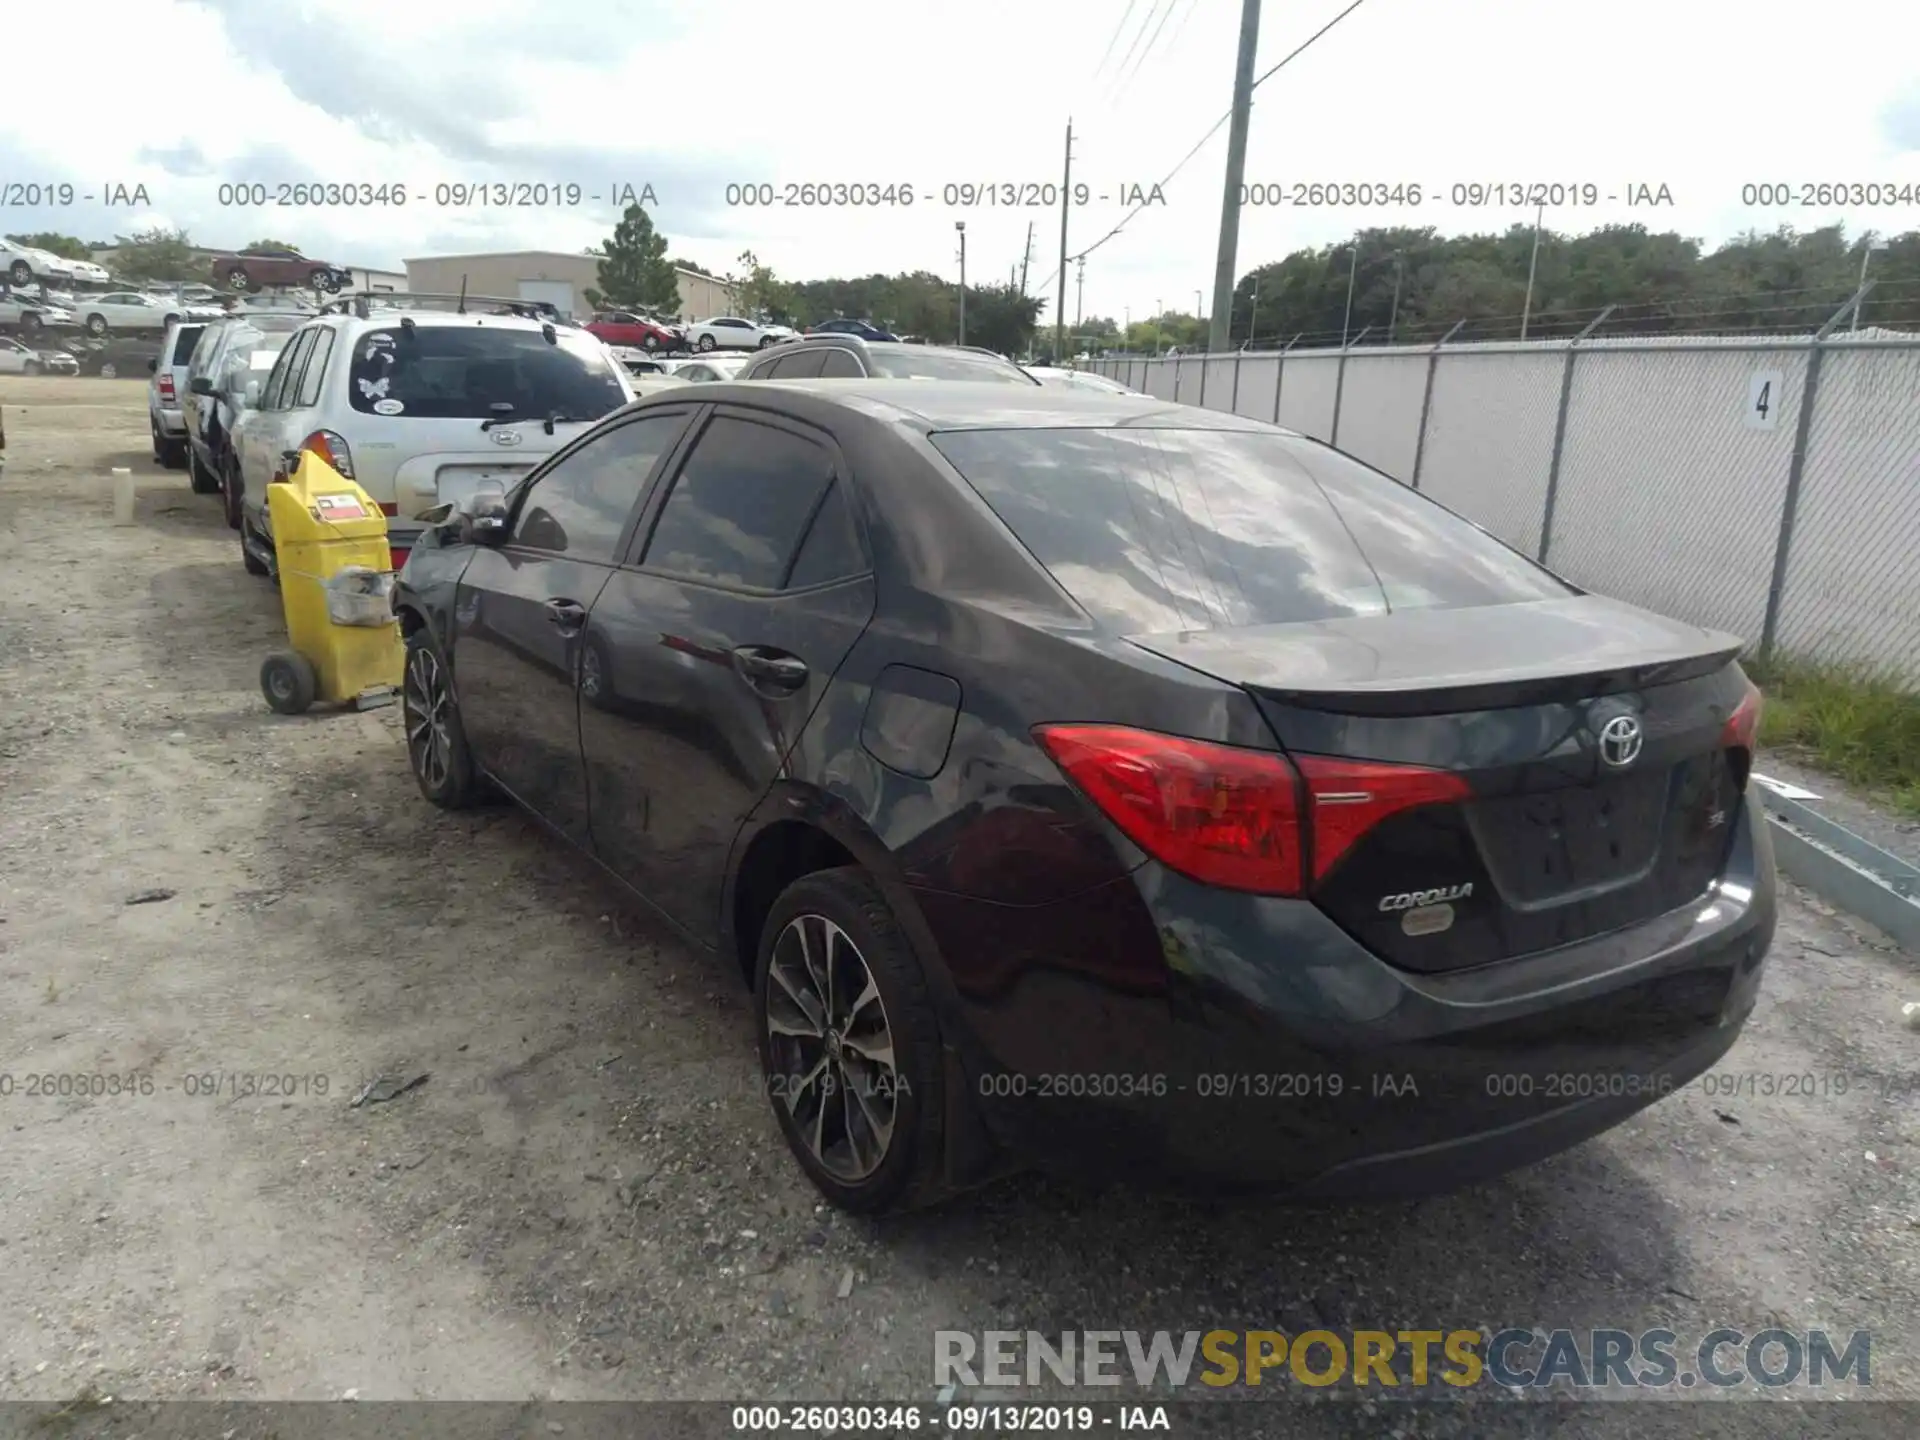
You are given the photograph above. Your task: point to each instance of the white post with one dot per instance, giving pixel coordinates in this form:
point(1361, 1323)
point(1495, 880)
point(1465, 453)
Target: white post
point(122, 495)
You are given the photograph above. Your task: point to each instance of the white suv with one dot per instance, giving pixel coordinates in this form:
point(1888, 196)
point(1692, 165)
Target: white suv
point(420, 407)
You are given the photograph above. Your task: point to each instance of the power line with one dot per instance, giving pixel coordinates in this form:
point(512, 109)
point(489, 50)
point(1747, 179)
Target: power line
point(1114, 39)
point(1167, 15)
point(1139, 34)
point(1214, 129)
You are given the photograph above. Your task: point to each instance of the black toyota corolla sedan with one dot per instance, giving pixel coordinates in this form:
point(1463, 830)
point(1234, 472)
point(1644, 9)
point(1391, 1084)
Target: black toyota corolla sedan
point(1096, 782)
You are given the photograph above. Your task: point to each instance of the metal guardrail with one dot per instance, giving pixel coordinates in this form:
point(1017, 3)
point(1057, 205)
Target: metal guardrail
point(1845, 870)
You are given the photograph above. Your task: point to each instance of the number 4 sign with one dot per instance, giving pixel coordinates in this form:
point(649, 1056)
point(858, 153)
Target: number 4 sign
point(1763, 399)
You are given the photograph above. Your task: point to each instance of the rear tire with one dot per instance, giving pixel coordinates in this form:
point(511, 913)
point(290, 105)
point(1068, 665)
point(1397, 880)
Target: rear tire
point(896, 1018)
point(253, 563)
point(96, 325)
point(707, 344)
point(437, 750)
point(230, 497)
point(20, 273)
point(238, 279)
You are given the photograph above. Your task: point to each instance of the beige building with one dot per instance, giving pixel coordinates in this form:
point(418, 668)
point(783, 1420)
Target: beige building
point(551, 275)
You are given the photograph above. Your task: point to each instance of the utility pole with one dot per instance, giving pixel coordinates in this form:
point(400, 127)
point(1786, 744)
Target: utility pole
point(1346, 321)
point(1222, 327)
point(1079, 291)
point(1399, 275)
point(1025, 257)
point(1060, 307)
point(961, 226)
point(1196, 304)
point(1526, 311)
point(1873, 242)
point(1253, 320)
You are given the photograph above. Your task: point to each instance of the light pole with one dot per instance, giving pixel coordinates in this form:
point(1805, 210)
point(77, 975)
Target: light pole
point(1253, 320)
point(1874, 242)
point(961, 226)
point(1346, 321)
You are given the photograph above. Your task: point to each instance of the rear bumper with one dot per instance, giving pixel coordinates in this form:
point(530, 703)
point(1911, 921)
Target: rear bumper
point(170, 421)
point(1159, 1031)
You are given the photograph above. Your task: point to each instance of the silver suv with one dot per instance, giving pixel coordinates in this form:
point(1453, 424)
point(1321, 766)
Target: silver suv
point(164, 391)
point(420, 405)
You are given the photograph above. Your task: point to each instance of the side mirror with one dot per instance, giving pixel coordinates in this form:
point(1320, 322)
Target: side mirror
point(153, 365)
point(250, 397)
point(200, 385)
point(487, 515)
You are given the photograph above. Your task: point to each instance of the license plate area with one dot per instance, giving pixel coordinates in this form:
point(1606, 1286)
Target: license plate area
point(1560, 845)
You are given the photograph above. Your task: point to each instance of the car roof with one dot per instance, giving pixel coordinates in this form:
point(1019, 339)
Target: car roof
point(933, 405)
point(389, 319)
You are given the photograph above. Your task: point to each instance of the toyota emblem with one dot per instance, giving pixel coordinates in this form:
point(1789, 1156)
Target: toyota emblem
point(1620, 740)
point(505, 437)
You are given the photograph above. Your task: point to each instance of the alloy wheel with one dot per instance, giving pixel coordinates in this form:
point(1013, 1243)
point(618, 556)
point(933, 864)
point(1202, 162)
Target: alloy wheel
point(832, 1048)
point(426, 703)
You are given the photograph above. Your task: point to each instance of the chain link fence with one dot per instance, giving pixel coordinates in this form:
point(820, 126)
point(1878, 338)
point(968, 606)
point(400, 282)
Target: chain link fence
point(1769, 486)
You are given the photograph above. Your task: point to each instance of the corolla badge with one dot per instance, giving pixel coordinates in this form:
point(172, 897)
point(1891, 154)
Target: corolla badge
point(505, 437)
point(1620, 741)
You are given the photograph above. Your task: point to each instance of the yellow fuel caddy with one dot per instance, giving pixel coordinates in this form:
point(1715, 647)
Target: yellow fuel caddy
point(336, 586)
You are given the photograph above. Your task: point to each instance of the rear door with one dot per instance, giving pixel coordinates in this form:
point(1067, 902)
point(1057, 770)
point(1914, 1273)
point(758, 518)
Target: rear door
point(266, 433)
point(521, 609)
point(1494, 763)
point(719, 640)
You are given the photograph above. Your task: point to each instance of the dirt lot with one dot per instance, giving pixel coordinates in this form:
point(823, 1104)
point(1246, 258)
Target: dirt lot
point(586, 1199)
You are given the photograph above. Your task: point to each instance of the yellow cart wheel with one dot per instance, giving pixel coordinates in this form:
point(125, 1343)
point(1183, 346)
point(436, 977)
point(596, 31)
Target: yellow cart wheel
point(289, 683)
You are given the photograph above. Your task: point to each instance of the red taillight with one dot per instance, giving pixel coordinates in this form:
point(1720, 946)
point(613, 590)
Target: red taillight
point(1350, 797)
point(1233, 817)
point(397, 558)
point(389, 510)
point(1742, 729)
point(1216, 813)
point(332, 449)
point(166, 387)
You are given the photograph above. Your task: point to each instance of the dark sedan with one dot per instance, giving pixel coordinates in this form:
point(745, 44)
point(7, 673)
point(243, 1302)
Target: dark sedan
point(1108, 784)
point(865, 329)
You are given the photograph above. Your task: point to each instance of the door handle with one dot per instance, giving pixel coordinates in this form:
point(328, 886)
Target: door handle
point(774, 668)
point(569, 615)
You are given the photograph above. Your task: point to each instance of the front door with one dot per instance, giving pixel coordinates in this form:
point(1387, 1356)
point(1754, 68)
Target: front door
point(521, 610)
point(750, 591)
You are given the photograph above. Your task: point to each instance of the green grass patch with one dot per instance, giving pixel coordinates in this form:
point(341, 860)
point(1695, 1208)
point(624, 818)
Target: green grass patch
point(1857, 726)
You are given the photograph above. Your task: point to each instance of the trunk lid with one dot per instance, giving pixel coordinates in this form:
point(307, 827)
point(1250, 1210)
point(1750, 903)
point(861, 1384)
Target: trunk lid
point(1590, 736)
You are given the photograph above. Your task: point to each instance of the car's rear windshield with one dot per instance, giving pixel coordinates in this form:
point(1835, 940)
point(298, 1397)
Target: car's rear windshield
point(1166, 530)
point(184, 339)
point(916, 364)
point(448, 372)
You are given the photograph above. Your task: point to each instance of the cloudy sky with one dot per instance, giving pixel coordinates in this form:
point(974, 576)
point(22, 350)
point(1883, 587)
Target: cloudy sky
point(183, 96)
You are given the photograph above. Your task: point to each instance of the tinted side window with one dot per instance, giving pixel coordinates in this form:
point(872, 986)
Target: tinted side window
point(580, 506)
point(286, 366)
point(841, 365)
point(184, 341)
point(316, 372)
point(736, 511)
point(831, 550)
point(803, 366)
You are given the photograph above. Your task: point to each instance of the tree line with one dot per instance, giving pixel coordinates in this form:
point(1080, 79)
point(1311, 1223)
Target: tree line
point(1405, 284)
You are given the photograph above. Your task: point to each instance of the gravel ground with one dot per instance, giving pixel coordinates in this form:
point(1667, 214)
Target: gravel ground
point(585, 1199)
